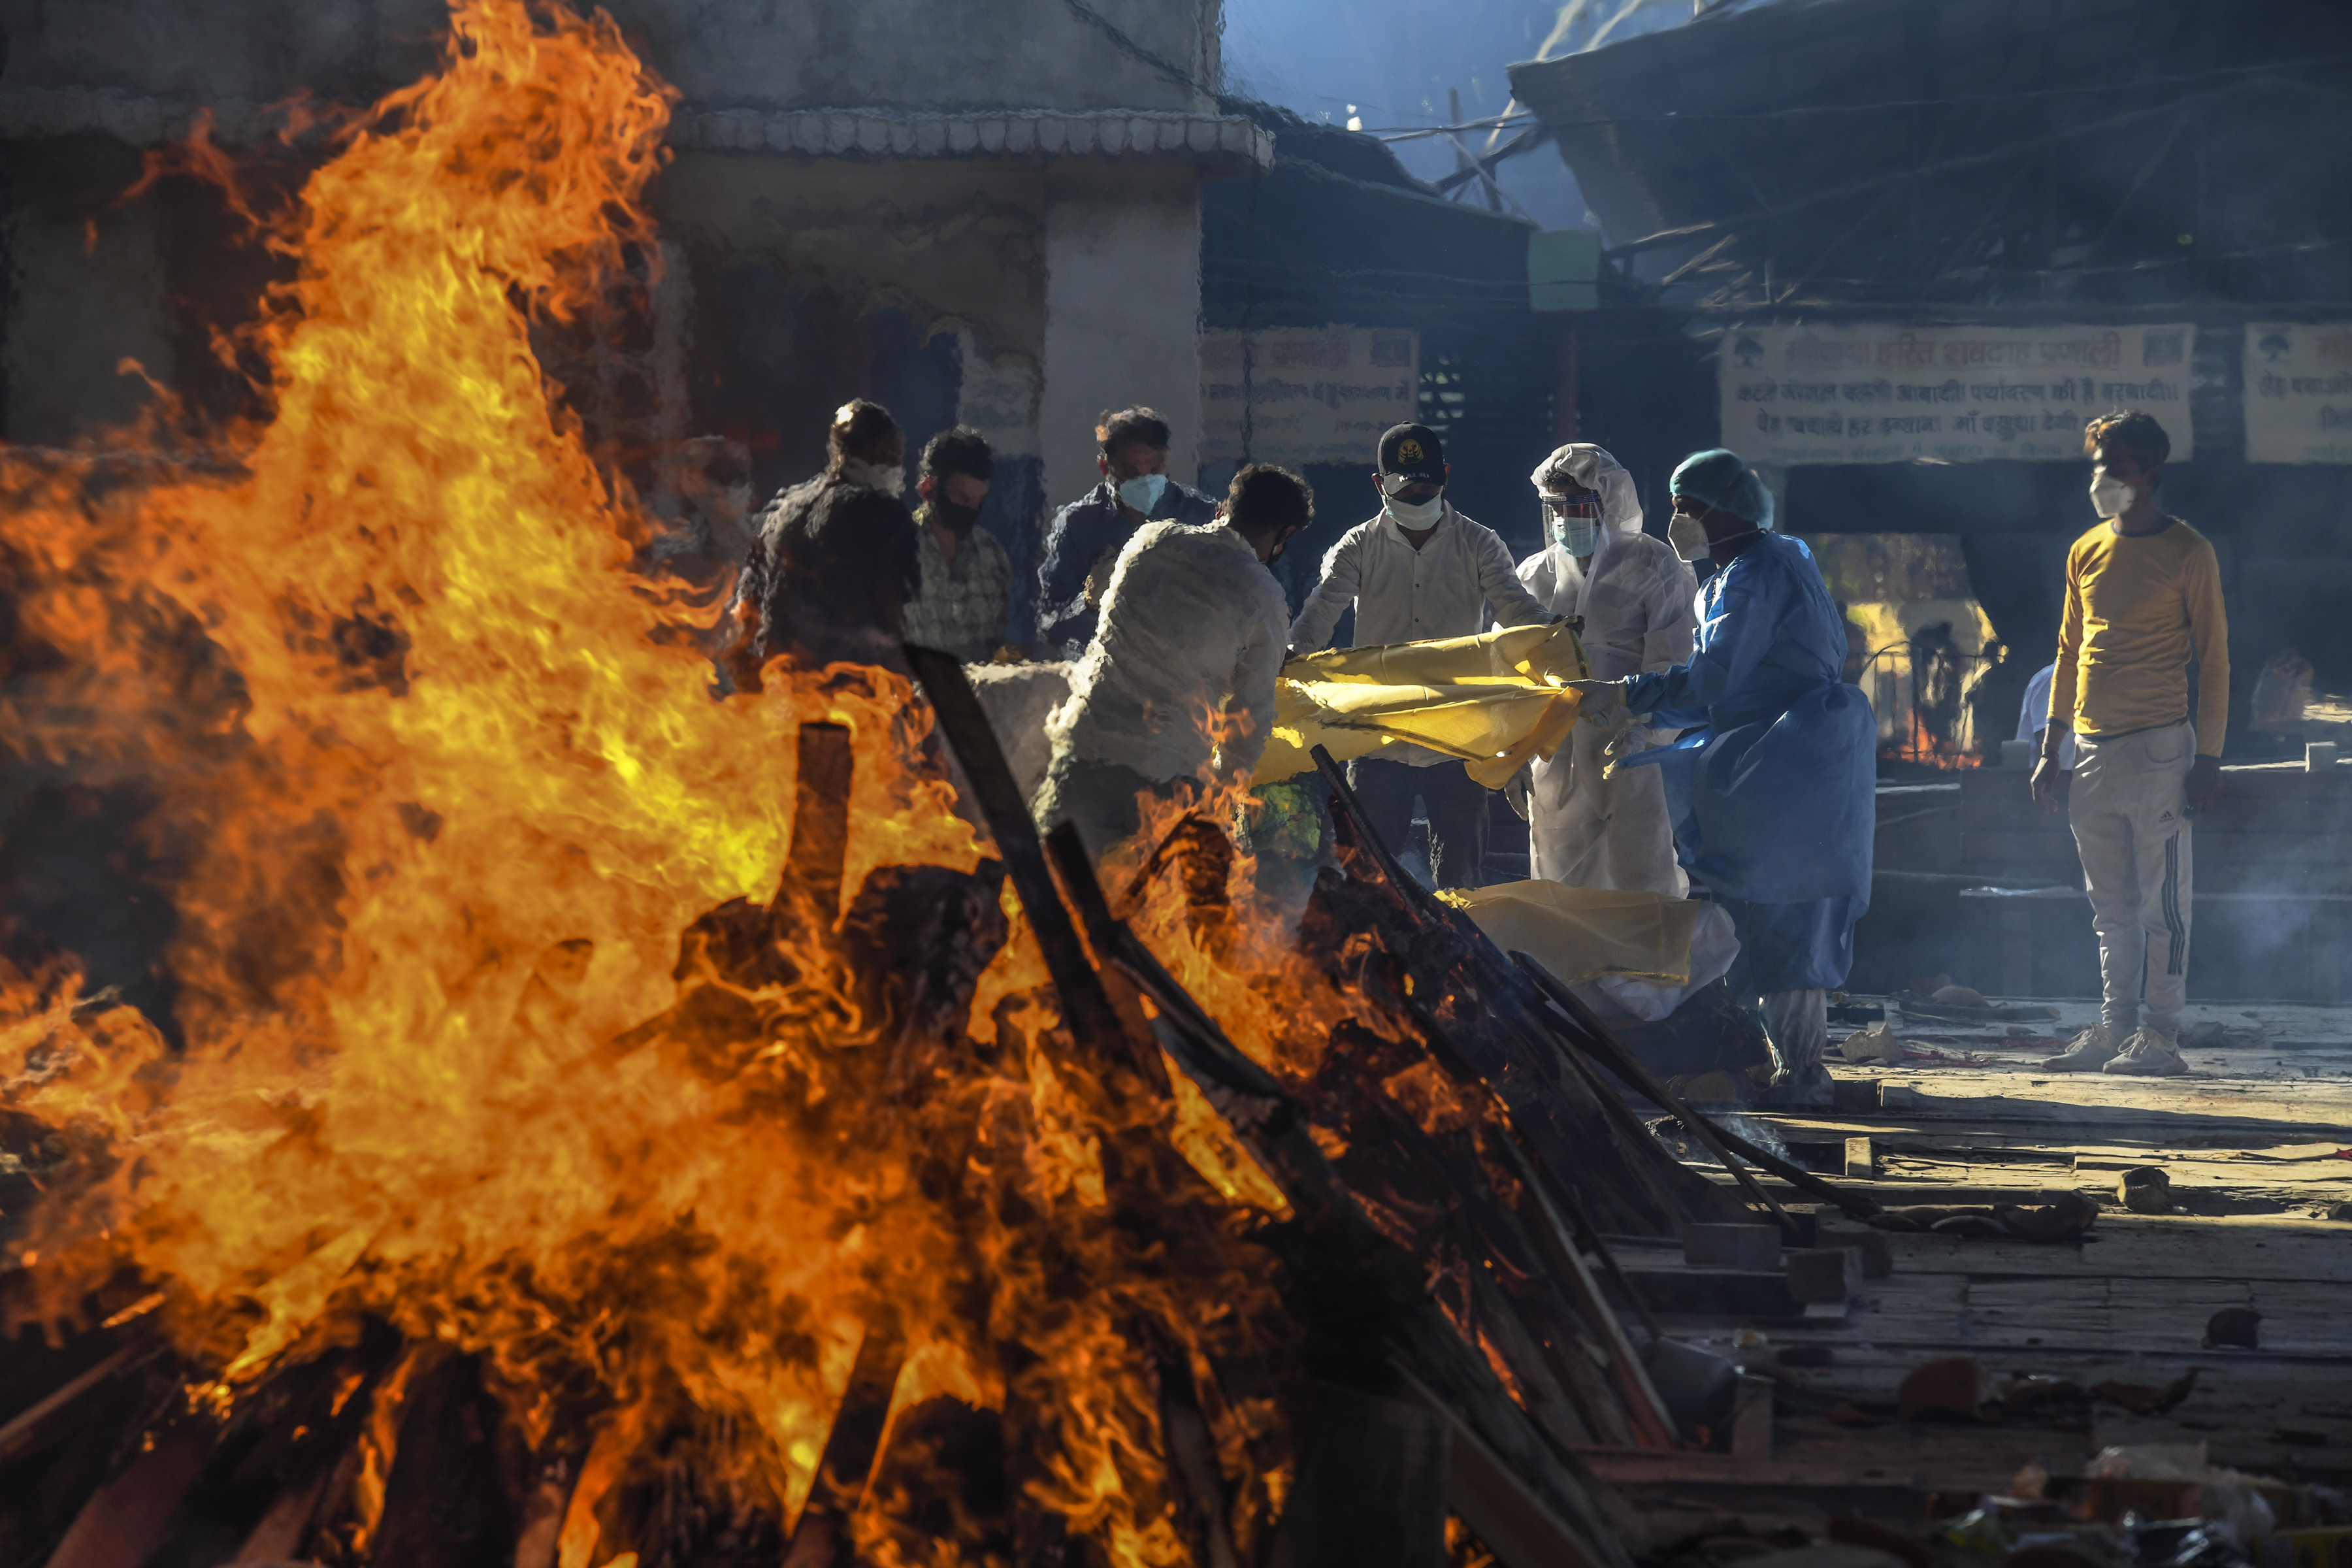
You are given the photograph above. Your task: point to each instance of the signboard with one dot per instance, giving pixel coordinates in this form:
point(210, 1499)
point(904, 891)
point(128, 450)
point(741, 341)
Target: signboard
point(1296, 395)
point(2299, 394)
point(1957, 394)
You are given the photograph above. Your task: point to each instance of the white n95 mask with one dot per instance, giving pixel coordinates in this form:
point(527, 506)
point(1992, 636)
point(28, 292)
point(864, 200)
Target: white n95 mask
point(2110, 497)
point(1688, 536)
point(1143, 491)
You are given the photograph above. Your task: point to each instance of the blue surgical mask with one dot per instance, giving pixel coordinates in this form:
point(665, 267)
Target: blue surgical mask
point(1414, 514)
point(1143, 491)
point(1577, 535)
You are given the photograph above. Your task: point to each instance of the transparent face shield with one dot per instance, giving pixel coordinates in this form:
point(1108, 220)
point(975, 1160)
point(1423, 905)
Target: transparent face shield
point(1572, 520)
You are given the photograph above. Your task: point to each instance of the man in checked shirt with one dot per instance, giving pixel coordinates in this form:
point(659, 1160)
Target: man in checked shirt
point(967, 577)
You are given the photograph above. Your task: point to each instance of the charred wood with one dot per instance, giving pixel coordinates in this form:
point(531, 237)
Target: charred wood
point(1373, 1475)
point(84, 1435)
point(1592, 1037)
point(1359, 1292)
point(129, 1516)
point(965, 725)
point(820, 843)
point(820, 1540)
point(447, 1501)
point(261, 1485)
point(1486, 1010)
point(1592, 1034)
point(43, 1420)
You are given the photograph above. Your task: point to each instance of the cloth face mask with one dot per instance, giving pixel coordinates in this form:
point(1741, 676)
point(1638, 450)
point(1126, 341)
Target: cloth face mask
point(1415, 515)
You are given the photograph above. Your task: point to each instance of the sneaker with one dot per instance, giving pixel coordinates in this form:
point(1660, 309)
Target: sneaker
point(2149, 1053)
point(2089, 1051)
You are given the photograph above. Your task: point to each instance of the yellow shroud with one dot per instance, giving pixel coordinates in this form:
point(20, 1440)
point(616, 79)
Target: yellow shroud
point(1497, 701)
point(1580, 933)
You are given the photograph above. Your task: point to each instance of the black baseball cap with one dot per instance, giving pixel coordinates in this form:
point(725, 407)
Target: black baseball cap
point(1414, 452)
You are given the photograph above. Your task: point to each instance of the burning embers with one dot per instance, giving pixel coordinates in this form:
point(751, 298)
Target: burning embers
point(597, 1120)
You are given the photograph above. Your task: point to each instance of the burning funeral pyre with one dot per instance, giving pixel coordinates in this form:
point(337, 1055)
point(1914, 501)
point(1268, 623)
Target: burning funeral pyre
point(578, 1120)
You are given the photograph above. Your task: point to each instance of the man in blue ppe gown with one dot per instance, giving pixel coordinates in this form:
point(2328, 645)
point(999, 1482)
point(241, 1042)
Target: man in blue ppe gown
point(1773, 792)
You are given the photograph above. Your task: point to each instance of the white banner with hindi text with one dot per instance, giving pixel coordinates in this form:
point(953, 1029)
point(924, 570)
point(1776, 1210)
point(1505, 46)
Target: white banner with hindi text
point(1296, 395)
point(1957, 394)
point(2299, 392)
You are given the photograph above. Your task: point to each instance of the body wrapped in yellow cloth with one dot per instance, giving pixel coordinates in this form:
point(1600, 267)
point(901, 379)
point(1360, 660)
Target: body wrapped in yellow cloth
point(1497, 701)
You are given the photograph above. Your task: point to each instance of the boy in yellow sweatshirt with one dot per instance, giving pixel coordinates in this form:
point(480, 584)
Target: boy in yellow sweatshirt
point(2143, 598)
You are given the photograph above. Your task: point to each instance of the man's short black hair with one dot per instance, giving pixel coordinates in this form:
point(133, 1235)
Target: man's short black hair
point(2130, 431)
point(1264, 500)
point(1116, 427)
point(962, 450)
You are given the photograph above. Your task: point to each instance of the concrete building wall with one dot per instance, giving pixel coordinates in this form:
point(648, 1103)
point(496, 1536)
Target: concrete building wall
point(915, 54)
point(957, 246)
point(1122, 313)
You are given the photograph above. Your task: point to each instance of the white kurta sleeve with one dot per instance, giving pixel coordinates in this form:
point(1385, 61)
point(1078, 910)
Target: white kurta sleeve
point(1342, 574)
point(1257, 664)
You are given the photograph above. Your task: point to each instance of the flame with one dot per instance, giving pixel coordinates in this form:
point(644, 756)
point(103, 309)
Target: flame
point(434, 781)
point(1924, 745)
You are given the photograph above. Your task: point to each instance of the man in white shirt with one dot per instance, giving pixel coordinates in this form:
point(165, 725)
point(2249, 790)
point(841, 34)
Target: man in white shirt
point(1177, 686)
point(1419, 570)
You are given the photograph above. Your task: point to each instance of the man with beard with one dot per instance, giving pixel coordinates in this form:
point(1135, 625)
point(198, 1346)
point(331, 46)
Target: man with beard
point(834, 558)
point(967, 577)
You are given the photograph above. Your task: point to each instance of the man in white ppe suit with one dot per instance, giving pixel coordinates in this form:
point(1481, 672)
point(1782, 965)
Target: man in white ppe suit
point(1638, 602)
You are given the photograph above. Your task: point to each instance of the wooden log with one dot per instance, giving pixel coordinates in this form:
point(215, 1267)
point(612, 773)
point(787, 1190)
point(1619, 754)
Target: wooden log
point(276, 1451)
point(821, 1537)
point(965, 724)
point(1533, 1507)
point(1202, 1503)
point(1513, 1049)
point(445, 1502)
point(1569, 1116)
point(1653, 1425)
point(553, 1476)
point(1372, 1293)
point(1592, 1035)
point(129, 1516)
point(318, 1488)
point(820, 842)
point(46, 1418)
point(1373, 1475)
point(1796, 1176)
point(1362, 841)
point(1377, 1313)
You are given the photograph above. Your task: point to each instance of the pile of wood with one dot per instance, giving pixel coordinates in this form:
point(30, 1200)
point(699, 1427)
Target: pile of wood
point(1446, 1331)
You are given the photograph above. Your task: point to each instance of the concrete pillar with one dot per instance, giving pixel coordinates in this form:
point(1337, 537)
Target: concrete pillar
point(1122, 313)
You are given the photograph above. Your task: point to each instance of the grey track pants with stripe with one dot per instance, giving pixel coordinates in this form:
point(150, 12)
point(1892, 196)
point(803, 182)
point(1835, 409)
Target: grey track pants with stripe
point(2129, 805)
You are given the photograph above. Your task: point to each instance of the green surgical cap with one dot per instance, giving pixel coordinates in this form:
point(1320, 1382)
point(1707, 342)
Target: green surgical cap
point(1720, 480)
